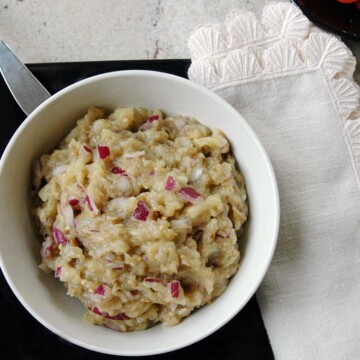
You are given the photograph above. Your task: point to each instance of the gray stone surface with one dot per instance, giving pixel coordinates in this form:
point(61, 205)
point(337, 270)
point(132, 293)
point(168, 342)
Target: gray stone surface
point(87, 30)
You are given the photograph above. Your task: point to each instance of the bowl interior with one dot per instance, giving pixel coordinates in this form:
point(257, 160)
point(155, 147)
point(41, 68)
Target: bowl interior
point(42, 295)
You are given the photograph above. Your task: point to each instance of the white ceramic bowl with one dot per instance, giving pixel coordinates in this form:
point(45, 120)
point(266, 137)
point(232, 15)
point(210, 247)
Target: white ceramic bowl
point(43, 295)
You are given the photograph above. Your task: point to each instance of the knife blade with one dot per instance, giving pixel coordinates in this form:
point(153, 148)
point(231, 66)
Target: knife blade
point(28, 92)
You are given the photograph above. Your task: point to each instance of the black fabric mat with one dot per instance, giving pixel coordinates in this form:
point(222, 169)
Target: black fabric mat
point(22, 337)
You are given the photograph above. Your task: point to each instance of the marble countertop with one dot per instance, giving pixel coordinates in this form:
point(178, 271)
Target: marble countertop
point(42, 31)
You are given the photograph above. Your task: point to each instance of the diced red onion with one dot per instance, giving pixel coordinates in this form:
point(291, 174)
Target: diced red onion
point(118, 171)
point(175, 289)
point(134, 292)
point(170, 183)
point(59, 237)
point(120, 316)
point(141, 212)
point(189, 194)
point(87, 149)
point(73, 202)
point(152, 172)
point(134, 155)
point(152, 280)
point(94, 231)
point(57, 271)
point(46, 247)
point(87, 200)
point(113, 262)
point(145, 258)
point(104, 151)
point(90, 203)
point(153, 118)
point(101, 289)
point(96, 311)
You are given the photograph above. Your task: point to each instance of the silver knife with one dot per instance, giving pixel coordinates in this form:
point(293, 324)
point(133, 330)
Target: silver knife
point(25, 88)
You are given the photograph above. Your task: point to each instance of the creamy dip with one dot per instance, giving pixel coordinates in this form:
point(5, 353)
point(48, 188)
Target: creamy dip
point(140, 216)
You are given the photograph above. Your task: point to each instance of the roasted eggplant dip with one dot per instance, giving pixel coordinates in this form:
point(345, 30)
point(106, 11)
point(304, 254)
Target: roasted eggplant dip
point(139, 216)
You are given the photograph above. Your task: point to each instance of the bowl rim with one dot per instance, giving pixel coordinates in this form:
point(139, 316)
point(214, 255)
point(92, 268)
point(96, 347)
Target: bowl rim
point(275, 197)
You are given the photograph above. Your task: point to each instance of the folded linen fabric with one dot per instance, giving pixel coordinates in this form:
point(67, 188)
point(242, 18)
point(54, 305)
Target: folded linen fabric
point(293, 83)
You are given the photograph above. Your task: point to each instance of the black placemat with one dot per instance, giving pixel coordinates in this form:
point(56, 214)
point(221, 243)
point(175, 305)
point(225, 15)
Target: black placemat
point(333, 16)
point(22, 337)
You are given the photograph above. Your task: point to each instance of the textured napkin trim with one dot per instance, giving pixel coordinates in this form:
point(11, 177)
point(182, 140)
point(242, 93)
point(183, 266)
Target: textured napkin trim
point(284, 43)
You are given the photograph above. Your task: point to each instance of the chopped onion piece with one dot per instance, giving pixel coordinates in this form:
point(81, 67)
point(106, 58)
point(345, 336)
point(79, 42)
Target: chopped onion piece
point(118, 171)
point(181, 223)
point(57, 271)
point(152, 172)
point(141, 212)
point(66, 211)
point(170, 183)
point(46, 247)
point(87, 149)
point(90, 203)
point(73, 202)
point(189, 194)
point(87, 200)
point(113, 326)
point(104, 151)
point(153, 118)
point(113, 262)
point(123, 184)
point(134, 292)
point(120, 316)
point(196, 174)
point(175, 289)
point(96, 311)
point(134, 155)
point(118, 267)
point(58, 170)
point(101, 289)
point(59, 237)
point(180, 123)
point(152, 280)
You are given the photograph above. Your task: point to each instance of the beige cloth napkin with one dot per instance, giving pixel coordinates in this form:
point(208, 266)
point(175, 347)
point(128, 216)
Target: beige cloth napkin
point(293, 83)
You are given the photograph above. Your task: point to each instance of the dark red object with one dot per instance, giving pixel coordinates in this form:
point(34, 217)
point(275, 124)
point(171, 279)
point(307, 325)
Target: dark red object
point(141, 212)
point(59, 237)
point(175, 288)
point(170, 183)
point(73, 202)
point(118, 171)
point(188, 193)
point(153, 118)
point(100, 290)
point(87, 149)
point(152, 280)
point(120, 316)
point(104, 151)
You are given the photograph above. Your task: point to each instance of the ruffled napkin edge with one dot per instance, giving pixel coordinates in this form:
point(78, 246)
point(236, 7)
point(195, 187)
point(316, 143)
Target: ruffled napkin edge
point(283, 43)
